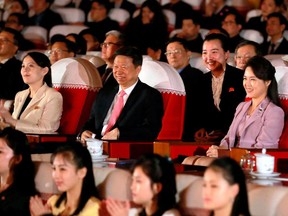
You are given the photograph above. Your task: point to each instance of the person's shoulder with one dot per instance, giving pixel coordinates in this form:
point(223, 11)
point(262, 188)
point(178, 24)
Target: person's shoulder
point(91, 208)
point(234, 72)
point(146, 87)
point(52, 92)
point(52, 200)
point(172, 212)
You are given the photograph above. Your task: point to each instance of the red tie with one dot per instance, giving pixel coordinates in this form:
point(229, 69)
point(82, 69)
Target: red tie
point(119, 104)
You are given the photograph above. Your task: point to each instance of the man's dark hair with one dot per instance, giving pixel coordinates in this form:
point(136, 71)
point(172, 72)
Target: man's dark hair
point(181, 41)
point(16, 35)
point(280, 16)
point(71, 46)
point(221, 37)
point(131, 52)
point(255, 45)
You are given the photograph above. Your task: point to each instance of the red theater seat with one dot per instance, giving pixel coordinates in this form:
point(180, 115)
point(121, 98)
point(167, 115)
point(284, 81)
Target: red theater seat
point(78, 81)
point(166, 79)
point(282, 80)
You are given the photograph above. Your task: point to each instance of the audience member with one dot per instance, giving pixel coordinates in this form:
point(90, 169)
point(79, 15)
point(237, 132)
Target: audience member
point(224, 188)
point(257, 123)
point(259, 22)
point(44, 16)
point(18, 6)
point(60, 48)
point(191, 33)
point(215, 11)
point(178, 56)
point(100, 22)
point(153, 189)
point(17, 173)
point(11, 81)
point(92, 42)
point(277, 44)
point(37, 109)
point(223, 89)
point(219, 30)
point(80, 42)
point(181, 9)
point(154, 50)
point(149, 26)
point(141, 116)
point(244, 51)
point(73, 176)
point(17, 21)
point(126, 5)
point(233, 23)
point(113, 41)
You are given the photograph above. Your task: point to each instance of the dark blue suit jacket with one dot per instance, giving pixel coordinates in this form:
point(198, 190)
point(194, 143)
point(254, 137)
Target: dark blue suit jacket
point(140, 119)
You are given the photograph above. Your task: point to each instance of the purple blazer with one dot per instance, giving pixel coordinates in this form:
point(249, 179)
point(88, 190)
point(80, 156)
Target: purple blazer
point(262, 129)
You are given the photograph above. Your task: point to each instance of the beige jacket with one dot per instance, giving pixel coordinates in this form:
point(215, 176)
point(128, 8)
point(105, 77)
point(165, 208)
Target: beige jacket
point(42, 114)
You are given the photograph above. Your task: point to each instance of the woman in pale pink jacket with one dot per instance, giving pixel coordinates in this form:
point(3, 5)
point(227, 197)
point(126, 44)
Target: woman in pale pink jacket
point(37, 109)
point(259, 122)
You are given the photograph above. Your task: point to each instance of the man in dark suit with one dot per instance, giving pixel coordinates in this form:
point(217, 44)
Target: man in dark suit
point(11, 80)
point(141, 116)
point(275, 27)
point(178, 56)
point(223, 88)
point(100, 22)
point(44, 16)
point(113, 41)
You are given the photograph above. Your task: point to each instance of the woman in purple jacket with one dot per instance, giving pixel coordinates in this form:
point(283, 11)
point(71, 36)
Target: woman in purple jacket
point(257, 123)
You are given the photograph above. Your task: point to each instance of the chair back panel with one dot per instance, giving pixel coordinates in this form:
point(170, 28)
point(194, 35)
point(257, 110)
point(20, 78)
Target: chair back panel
point(166, 79)
point(78, 81)
point(282, 80)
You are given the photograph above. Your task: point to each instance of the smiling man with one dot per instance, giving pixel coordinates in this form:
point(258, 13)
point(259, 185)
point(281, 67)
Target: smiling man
point(223, 88)
point(130, 111)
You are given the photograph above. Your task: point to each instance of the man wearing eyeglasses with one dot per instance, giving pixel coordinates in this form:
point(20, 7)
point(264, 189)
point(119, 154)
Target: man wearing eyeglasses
point(233, 23)
point(178, 56)
point(10, 77)
point(113, 41)
point(61, 48)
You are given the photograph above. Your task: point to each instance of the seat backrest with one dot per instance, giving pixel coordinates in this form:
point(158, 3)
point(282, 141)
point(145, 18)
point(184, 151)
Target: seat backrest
point(282, 80)
point(253, 13)
point(285, 34)
point(37, 34)
point(171, 18)
point(78, 81)
point(95, 60)
point(166, 79)
point(252, 35)
point(60, 3)
point(275, 59)
point(120, 15)
point(174, 32)
point(66, 29)
point(71, 15)
point(203, 32)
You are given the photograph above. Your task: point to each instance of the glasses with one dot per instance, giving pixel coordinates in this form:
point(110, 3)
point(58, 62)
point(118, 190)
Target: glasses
point(228, 22)
point(171, 52)
point(57, 51)
point(120, 67)
point(108, 44)
point(246, 58)
point(5, 41)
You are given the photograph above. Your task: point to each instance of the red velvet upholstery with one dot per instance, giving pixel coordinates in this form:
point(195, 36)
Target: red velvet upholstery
point(282, 80)
point(166, 79)
point(78, 81)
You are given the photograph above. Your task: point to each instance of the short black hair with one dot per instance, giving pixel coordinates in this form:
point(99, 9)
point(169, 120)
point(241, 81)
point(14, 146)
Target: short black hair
point(17, 37)
point(280, 16)
point(71, 46)
point(181, 41)
point(255, 45)
point(221, 37)
point(131, 52)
